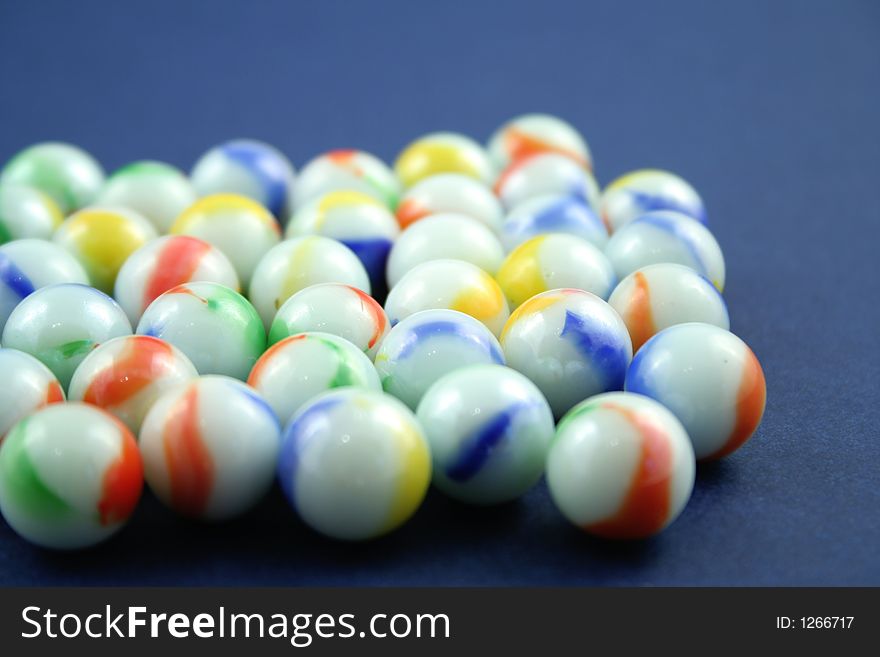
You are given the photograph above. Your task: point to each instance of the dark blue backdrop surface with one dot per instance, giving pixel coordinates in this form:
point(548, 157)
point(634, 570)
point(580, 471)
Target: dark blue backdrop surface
point(769, 108)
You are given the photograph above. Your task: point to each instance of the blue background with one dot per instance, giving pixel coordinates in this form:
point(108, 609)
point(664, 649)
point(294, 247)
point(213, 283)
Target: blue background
point(769, 108)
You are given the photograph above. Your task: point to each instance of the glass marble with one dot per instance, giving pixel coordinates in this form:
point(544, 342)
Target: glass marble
point(354, 464)
point(546, 173)
point(243, 229)
point(164, 263)
point(333, 308)
point(711, 381)
point(429, 344)
point(659, 296)
point(65, 172)
point(27, 387)
point(553, 261)
point(347, 169)
point(157, 191)
point(529, 134)
point(444, 236)
point(442, 152)
point(70, 476)
point(452, 284)
point(666, 236)
point(570, 343)
point(210, 448)
point(301, 367)
point(101, 239)
point(363, 224)
point(27, 212)
point(489, 429)
point(213, 325)
point(450, 192)
point(126, 375)
point(552, 213)
point(647, 190)
point(621, 466)
point(29, 264)
point(60, 324)
point(301, 262)
point(249, 168)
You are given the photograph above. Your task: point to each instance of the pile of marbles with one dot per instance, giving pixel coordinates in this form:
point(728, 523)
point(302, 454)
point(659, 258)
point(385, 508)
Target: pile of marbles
point(212, 333)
